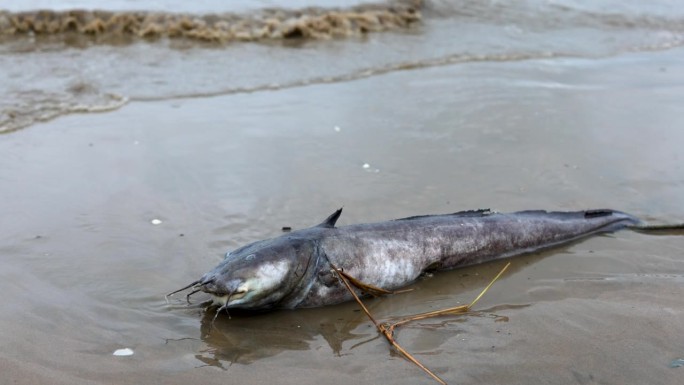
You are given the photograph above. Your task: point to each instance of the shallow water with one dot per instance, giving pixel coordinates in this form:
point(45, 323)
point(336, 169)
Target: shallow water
point(569, 115)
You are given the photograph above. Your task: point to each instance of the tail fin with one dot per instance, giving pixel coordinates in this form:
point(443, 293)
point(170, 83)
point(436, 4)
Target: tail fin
point(637, 224)
point(672, 228)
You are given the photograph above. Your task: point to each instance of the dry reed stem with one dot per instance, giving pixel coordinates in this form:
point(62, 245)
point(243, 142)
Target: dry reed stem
point(386, 332)
point(370, 289)
point(387, 329)
point(449, 311)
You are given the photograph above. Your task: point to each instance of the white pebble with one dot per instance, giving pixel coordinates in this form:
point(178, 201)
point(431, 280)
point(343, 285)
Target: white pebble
point(156, 221)
point(367, 168)
point(123, 352)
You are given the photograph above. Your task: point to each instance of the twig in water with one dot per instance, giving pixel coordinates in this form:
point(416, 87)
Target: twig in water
point(387, 329)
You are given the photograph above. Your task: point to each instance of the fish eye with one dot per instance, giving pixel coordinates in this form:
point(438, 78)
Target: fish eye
point(250, 257)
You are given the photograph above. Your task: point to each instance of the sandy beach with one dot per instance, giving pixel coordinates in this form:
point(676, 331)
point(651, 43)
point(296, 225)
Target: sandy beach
point(106, 212)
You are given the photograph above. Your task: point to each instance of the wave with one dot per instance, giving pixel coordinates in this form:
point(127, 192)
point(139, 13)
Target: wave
point(60, 62)
point(33, 106)
point(270, 24)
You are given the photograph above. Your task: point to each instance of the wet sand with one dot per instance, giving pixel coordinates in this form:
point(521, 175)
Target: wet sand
point(84, 269)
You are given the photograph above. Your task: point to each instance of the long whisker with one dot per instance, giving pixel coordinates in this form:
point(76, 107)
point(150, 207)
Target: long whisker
point(217, 313)
point(179, 290)
point(225, 306)
point(187, 297)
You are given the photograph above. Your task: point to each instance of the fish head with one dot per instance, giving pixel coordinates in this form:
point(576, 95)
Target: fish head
point(259, 275)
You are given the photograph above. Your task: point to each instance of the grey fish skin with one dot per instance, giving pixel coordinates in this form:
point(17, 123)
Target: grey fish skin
point(294, 270)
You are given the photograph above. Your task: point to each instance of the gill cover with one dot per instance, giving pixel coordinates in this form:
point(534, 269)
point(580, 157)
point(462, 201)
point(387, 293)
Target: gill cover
point(263, 274)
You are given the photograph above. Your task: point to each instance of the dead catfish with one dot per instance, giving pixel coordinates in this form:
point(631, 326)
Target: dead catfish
point(295, 269)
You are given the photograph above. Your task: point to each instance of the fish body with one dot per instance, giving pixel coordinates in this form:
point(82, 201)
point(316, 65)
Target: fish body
point(295, 270)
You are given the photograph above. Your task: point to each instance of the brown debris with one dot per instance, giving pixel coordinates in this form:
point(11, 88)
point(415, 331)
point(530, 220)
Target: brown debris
point(387, 328)
point(310, 23)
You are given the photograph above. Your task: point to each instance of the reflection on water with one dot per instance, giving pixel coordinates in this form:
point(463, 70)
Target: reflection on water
point(246, 338)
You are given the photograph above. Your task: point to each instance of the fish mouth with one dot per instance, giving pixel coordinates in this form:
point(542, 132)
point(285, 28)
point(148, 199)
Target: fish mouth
point(223, 299)
point(219, 297)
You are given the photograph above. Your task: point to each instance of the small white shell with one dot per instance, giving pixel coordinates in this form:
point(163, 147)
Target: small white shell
point(123, 352)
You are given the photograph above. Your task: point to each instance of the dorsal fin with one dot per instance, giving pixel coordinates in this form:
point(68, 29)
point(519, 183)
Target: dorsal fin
point(466, 213)
point(598, 213)
point(329, 222)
